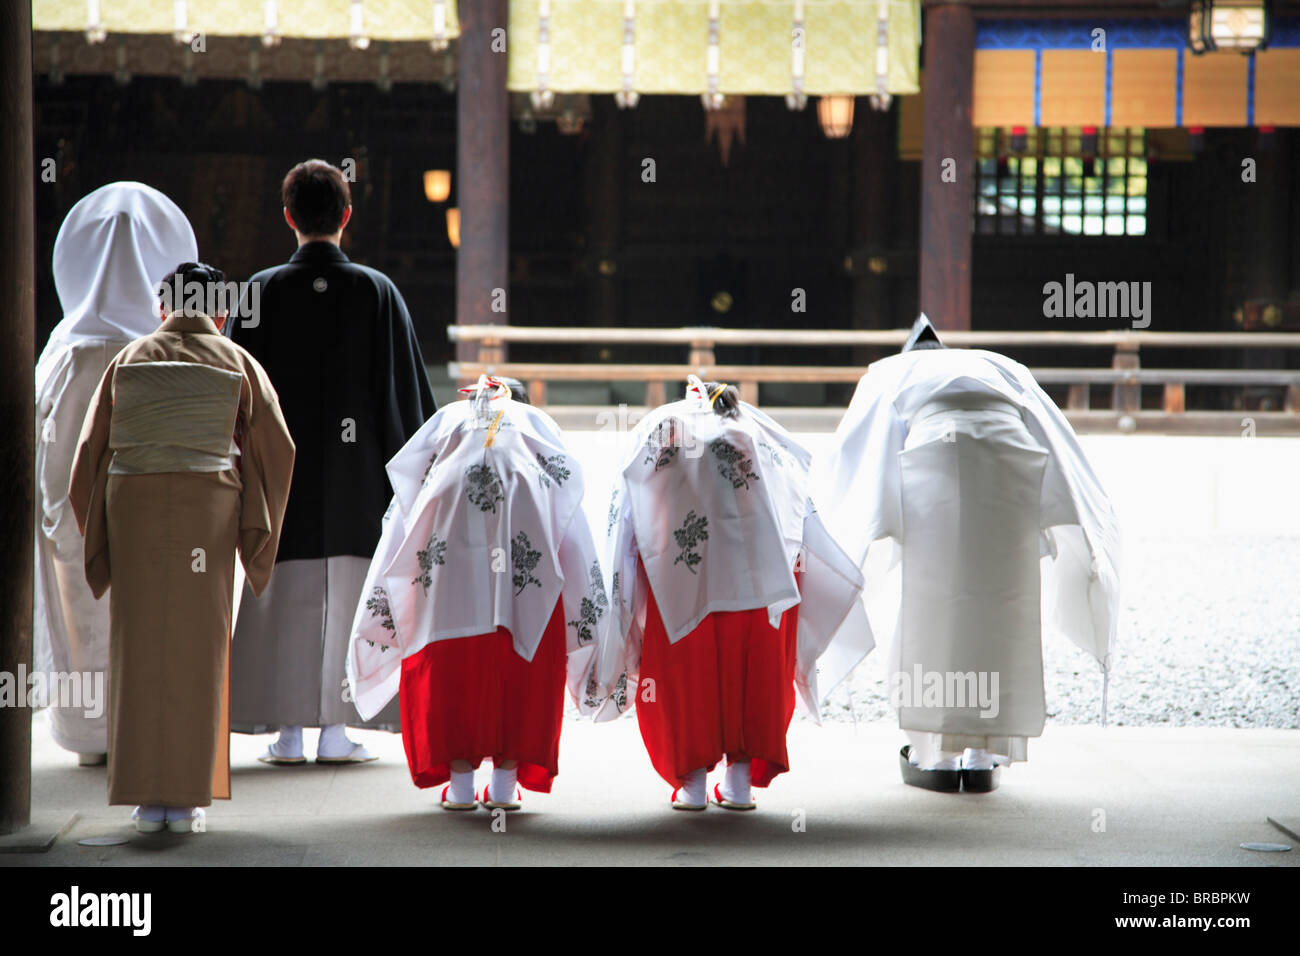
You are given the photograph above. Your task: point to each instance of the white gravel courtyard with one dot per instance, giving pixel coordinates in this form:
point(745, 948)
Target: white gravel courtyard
point(1209, 637)
point(1210, 631)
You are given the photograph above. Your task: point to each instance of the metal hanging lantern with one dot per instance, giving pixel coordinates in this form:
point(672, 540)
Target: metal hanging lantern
point(1240, 25)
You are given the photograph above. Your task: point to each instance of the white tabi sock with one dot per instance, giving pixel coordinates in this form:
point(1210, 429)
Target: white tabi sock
point(289, 743)
point(152, 814)
point(736, 784)
point(975, 759)
point(503, 784)
point(943, 760)
point(334, 741)
point(462, 787)
point(179, 813)
point(695, 788)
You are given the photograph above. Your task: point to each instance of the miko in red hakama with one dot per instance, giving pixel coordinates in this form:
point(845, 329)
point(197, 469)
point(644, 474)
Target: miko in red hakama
point(725, 689)
point(468, 698)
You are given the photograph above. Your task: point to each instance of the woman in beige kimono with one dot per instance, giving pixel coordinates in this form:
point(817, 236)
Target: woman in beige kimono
point(184, 457)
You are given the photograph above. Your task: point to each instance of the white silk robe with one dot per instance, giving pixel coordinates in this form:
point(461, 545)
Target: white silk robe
point(961, 458)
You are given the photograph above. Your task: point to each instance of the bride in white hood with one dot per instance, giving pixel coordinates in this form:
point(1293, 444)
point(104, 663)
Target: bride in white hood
point(111, 251)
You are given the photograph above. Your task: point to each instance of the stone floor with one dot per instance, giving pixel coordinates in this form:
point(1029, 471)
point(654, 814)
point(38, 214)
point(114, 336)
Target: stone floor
point(1088, 796)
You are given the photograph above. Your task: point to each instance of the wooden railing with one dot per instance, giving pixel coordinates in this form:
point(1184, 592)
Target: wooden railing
point(1125, 375)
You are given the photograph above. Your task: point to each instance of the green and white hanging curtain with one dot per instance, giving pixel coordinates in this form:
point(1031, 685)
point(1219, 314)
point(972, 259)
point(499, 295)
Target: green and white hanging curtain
point(433, 21)
point(790, 48)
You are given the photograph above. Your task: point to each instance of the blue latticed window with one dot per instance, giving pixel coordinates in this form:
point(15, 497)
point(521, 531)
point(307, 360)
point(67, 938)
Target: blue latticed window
point(1061, 181)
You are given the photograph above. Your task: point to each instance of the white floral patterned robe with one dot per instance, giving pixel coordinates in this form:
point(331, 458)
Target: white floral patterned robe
point(717, 512)
point(485, 530)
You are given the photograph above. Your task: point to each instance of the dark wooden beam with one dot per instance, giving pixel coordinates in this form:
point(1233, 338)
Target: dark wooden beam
point(1125, 12)
point(17, 411)
point(1071, 9)
point(947, 166)
point(482, 170)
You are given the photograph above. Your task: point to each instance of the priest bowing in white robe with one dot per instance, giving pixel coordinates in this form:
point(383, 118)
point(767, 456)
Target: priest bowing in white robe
point(112, 248)
point(1000, 526)
point(484, 600)
point(729, 596)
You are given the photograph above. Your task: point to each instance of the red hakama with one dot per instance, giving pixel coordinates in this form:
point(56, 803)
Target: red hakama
point(726, 688)
point(475, 697)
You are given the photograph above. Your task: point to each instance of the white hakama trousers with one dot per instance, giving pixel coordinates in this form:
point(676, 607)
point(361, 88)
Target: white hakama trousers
point(968, 659)
point(288, 662)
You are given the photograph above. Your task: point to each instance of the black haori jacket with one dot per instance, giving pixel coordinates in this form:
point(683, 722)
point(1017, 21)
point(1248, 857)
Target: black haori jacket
point(338, 344)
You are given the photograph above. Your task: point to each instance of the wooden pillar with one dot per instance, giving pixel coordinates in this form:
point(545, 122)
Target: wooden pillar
point(482, 173)
point(702, 357)
point(838, 217)
point(1175, 398)
point(946, 206)
point(603, 180)
point(875, 179)
point(17, 411)
point(1126, 398)
point(1268, 205)
point(1265, 252)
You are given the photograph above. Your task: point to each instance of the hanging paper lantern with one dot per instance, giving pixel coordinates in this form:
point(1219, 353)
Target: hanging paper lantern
point(453, 227)
point(835, 113)
point(437, 184)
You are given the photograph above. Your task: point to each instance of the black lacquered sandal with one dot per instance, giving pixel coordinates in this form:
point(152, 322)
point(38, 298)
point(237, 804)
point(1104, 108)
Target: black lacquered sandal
point(981, 781)
point(943, 781)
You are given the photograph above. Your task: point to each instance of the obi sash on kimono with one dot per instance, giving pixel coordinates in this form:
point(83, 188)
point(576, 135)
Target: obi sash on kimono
point(173, 416)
